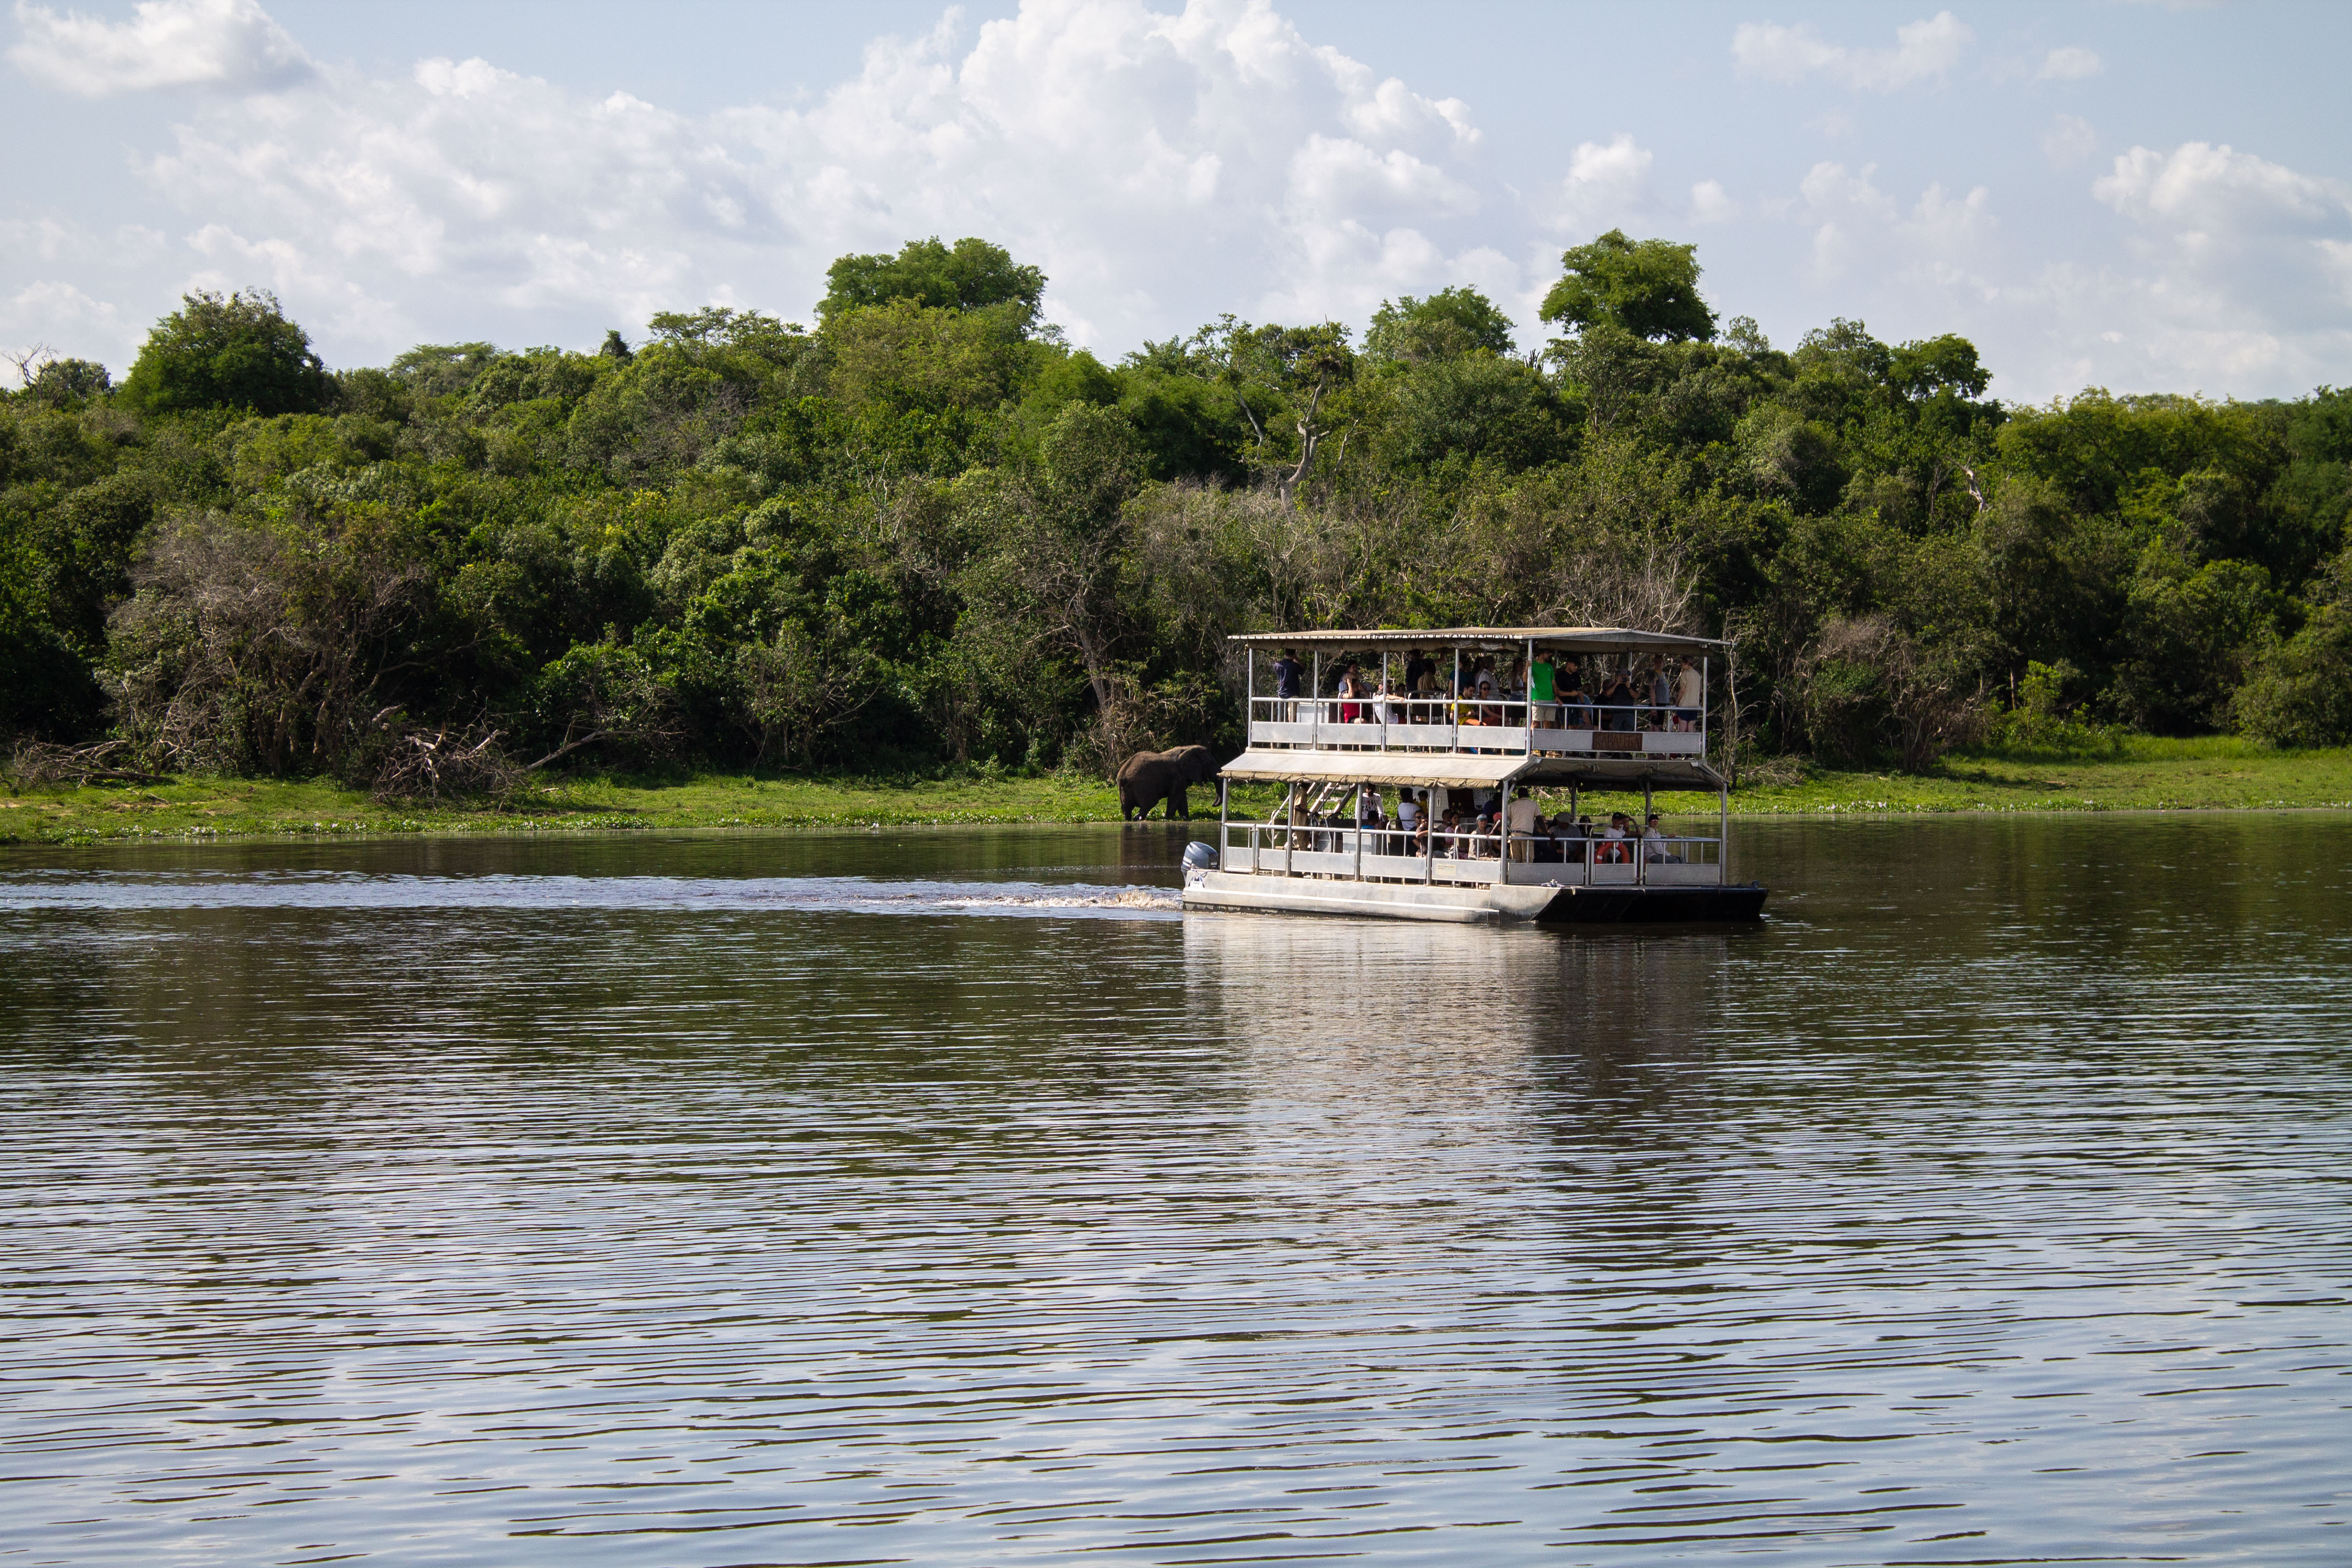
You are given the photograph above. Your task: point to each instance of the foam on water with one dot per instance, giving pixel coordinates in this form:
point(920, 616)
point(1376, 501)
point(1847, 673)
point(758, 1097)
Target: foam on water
point(46, 889)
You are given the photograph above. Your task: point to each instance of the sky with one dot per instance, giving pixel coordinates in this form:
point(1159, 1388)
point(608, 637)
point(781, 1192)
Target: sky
point(2146, 197)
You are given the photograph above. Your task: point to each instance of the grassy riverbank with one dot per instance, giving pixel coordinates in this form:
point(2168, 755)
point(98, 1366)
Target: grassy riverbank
point(2142, 775)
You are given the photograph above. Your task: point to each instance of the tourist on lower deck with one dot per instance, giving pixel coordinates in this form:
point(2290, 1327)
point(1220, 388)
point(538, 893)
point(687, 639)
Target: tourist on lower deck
point(1653, 844)
point(1521, 821)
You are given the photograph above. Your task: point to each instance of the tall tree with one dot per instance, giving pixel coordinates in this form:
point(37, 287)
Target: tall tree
point(972, 276)
point(1449, 322)
point(1648, 288)
point(236, 350)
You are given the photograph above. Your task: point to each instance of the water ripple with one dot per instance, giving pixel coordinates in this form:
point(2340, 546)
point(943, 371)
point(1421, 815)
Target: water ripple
point(595, 1202)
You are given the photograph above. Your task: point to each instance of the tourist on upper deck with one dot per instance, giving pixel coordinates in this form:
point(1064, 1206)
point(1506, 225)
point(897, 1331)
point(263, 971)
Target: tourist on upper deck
point(1288, 673)
point(1348, 686)
point(1541, 675)
point(1576, 706)
point(1468, 714)
point(1416, 665)
point(1617, 702)
point(1690, 695)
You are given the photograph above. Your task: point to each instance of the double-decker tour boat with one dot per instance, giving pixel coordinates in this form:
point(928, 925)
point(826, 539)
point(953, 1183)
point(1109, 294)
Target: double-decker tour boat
point(1438, 776)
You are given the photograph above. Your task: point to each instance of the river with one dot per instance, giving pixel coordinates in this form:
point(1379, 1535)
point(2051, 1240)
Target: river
point(945, 1197)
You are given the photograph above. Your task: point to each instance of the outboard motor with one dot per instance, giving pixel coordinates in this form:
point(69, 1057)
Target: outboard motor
point(1199, 859)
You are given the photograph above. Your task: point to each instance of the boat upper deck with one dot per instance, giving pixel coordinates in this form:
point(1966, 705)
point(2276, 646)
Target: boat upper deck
point(1423, 703)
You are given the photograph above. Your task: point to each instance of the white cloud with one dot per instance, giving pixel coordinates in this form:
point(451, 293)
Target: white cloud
point(1709, 202)
point(2211, 187)
point(2234, 244)
point(53, 238)
point(1607, 185)
point(2069, 64)
point(1937, 255)
point(1163, 161)
point(50, 311)
point(1923, 51)
point(228, 44)
point(1118, 147)
point(2069, 140)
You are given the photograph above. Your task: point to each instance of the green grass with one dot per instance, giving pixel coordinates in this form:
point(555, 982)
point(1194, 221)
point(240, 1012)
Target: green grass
point(205, 807)
point(2141, 774)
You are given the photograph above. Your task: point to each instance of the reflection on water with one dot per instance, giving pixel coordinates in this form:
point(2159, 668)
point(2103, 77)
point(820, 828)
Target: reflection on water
point(721, 1200)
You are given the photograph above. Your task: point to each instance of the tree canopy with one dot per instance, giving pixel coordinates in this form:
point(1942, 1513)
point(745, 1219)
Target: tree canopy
point(923, 532)
point(232, 351)
point(970, 276)
point(1448, 322)
point(1648, 288)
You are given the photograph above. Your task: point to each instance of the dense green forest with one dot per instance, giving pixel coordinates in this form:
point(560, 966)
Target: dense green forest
point(926, 529)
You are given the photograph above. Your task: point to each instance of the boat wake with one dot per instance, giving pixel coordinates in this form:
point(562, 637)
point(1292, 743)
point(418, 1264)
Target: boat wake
point(349, 890)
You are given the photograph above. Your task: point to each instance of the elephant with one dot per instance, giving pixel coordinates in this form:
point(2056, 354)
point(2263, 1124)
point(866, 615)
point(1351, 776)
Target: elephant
point(1147, 778)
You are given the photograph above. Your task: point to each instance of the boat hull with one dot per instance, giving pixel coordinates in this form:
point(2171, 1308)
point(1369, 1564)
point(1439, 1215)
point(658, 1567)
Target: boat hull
point(1656, 906)
point(1238, 892)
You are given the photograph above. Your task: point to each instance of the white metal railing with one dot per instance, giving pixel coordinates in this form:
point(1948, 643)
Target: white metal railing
point(1337, 849)
point(1506, 726)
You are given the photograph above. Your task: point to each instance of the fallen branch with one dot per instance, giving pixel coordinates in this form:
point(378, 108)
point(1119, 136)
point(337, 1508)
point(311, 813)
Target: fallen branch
point(38, 762)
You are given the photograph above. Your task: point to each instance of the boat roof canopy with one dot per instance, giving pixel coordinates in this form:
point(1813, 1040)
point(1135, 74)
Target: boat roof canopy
point(1467, 771)
point(1589, 639)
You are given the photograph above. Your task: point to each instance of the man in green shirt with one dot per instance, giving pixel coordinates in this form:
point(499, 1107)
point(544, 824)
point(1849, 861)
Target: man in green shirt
point(1540, 692)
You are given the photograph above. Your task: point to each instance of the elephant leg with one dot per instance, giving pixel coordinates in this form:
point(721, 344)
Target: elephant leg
point(1180, 805)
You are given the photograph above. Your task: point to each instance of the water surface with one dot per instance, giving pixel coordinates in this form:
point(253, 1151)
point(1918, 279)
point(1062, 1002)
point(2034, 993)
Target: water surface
point(948, 1198)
